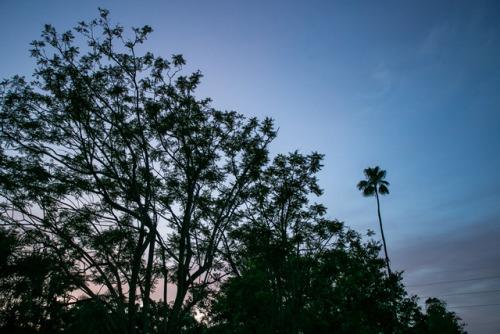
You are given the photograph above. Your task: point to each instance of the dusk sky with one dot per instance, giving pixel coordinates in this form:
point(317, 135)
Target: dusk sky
point(410, 86)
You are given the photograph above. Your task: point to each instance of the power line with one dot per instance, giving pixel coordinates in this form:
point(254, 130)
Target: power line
point(463, 306)
point(445, 282)
point(411, 274)
point(469, 293)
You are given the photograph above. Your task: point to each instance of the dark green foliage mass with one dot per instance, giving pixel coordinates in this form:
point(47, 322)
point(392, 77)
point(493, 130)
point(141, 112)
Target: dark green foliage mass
point(438, 319)
point(122, 172)
point(129, 205)
point(300, 272)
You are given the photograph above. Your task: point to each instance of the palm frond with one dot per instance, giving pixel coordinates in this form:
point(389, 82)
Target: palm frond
point(369, 191)
point(383, 190)
point(374, 178)
point(362, 184)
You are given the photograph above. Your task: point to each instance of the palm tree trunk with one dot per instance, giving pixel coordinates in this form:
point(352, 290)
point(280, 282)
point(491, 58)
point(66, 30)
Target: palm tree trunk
point(382, 233)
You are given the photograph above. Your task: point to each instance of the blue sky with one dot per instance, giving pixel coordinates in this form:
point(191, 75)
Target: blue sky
point(410, 86)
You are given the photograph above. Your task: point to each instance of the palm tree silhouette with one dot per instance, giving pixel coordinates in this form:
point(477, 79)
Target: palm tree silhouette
point(375, 185)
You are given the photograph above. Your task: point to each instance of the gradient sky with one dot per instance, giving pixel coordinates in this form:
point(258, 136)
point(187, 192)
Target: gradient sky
point(410, 86)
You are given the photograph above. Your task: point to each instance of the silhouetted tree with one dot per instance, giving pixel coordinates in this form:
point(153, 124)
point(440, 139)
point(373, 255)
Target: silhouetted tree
point(375, 185)
point(298, 272)
point(123, 172)
point(33, 291)
point(281, 222)
point(438, 319)
point(342, 289)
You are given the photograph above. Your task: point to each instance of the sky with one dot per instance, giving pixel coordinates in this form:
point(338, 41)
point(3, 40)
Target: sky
point(410, 86)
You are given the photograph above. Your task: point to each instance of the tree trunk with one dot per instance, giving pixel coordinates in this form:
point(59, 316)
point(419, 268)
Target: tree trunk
point(382, 233)
point(148, 277)
point(133, 283)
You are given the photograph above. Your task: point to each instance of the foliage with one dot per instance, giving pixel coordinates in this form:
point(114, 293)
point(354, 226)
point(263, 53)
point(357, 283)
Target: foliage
point(438, 319)
point(33, 293)
point(114, 163)
point(301, 272)
point(374, 183)
point(296, 271)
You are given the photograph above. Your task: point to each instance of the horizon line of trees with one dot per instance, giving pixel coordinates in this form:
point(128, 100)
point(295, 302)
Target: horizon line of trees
point(116, 180)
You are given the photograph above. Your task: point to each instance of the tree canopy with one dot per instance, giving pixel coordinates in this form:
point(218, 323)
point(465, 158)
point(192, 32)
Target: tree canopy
point(128, 204)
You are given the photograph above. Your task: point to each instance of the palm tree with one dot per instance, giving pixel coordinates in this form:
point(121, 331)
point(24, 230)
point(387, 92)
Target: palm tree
point(375, 185)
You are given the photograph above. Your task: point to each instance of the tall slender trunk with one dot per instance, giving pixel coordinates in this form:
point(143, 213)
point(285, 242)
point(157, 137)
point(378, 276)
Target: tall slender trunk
point(133, 283)
point(382, 233)
point(148, 278)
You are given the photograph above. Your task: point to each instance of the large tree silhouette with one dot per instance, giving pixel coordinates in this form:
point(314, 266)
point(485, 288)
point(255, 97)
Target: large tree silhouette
point(123, 173)
point(375, 185)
